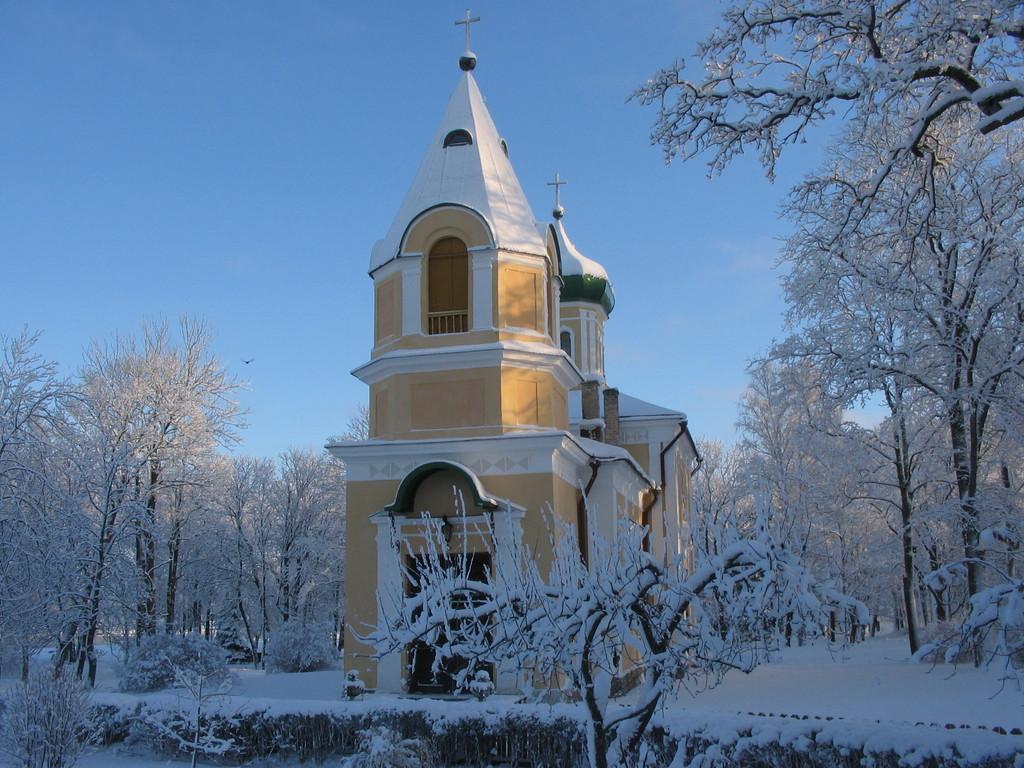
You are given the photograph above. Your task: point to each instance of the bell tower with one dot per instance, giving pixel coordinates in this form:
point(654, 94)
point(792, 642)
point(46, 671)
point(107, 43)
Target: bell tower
point(466, 292)
point(470, 390)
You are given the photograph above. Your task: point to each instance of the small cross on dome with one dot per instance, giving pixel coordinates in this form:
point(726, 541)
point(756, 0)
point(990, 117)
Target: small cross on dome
point(559, 211)
point(468, 59)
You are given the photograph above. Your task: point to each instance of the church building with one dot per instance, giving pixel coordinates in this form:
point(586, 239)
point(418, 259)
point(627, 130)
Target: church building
point(487, 383)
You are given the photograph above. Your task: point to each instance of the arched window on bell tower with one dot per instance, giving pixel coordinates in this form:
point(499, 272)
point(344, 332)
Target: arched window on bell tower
point(565, 342)
point(448, 287)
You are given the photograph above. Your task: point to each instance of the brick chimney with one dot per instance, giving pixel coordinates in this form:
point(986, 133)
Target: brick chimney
point(591, 404)
point(590, 396)
point(611, 416)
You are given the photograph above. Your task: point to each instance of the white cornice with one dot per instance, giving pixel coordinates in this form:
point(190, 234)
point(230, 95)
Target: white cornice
point(538, 357)
point(512, 453)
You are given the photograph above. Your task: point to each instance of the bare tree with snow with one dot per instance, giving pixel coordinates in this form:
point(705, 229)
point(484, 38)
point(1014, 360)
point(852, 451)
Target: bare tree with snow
point(923, 302)
point(776, 68)
point(585, 626)
point(176, 403)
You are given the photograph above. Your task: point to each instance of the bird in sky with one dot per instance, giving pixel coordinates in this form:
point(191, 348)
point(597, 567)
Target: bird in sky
point(248, 361)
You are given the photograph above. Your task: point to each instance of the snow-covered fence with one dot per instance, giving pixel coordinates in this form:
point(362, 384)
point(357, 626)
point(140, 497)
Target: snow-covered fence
point(464, 733)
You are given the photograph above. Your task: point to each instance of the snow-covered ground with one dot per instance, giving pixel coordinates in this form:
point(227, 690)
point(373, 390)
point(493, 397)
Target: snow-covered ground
point(874, 680)
point(870, 681)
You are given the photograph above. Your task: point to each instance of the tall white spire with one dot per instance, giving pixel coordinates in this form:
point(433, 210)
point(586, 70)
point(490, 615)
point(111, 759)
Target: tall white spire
point(477, 175)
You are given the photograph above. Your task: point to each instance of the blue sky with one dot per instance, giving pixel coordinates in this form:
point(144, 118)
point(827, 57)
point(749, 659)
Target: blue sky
point(236, 161)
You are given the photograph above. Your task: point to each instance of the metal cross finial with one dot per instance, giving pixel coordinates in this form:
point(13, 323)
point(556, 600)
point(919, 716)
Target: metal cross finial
point(468, 23)
point(557, 184)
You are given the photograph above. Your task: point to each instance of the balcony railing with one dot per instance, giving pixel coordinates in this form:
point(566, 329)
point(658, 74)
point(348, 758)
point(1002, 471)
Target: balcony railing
point(448, 322)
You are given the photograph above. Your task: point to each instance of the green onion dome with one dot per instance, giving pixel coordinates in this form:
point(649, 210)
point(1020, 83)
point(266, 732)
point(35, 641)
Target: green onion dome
point(583, 279)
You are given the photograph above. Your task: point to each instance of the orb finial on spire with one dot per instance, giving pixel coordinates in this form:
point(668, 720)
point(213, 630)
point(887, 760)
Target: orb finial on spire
point(558, 211)
point(467, 61)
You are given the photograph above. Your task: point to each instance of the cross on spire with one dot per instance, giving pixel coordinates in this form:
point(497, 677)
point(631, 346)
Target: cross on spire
point(468, 23)
point(557, 184)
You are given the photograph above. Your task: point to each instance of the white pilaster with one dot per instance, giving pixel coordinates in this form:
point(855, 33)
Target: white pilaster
point(412, 273)
point(508, 539)
point(592, 366)
point(389, 593)
point(483, 288)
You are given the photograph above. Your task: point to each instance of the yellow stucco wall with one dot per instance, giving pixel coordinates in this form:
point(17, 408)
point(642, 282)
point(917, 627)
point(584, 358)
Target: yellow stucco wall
point(432, 404)
point(521, 297)
point(532, 398)
point(388, 309)
point(465, 403)
point(361, 571)
point(641, 452)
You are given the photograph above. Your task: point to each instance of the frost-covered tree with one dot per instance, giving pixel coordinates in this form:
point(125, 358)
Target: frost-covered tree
point(585, 626)
point(245, 500)
point(358, 427)
point(774, 69)
point(308, 532)
point(923, 302)
point(173, 402)
point(721, 500)
point(797, 449)
point(280, 551)
point(44, 721)
point(33, 502)
point(116, 507)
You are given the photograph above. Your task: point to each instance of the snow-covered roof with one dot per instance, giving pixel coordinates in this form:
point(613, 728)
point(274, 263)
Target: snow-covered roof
point(629, 408)
point(583, 279)
point(607, 452)
point(574, 262)
point(477, 175)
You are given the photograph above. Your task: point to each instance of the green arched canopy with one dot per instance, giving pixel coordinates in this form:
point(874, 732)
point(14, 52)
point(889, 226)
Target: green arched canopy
point(406, 494)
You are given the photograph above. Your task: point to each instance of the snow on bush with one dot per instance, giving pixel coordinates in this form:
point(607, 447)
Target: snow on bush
point(996, 624)
point(354, 685)
point(157, 662)
point(465, 733)
point(481, 686)
point(189, 727)
point(294, 647)
point(994, 629)
point(230, 638)
point(382, 747)
point(45, 721)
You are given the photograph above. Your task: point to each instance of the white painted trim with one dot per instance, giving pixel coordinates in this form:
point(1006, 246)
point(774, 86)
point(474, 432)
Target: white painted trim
point(587, 306)
point(529, 332)
point(477, 427)
point(521, 259)
point(513, 453)
point(387, 271)
point(541, 357)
